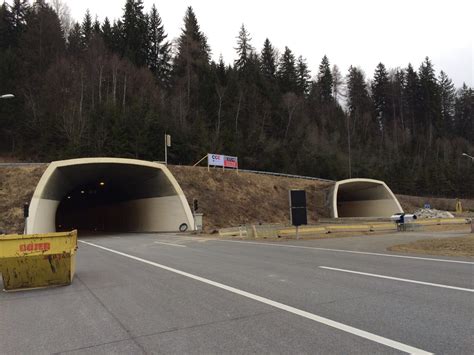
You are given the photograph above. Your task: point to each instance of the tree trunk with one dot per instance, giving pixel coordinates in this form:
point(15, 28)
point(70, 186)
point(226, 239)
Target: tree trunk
point(238, 112)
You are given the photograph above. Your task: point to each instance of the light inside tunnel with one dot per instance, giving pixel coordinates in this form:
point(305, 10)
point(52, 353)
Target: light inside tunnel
point(108, 194)
point(363, 198)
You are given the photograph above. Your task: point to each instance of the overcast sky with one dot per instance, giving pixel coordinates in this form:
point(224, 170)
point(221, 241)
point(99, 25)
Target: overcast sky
point(362, 33)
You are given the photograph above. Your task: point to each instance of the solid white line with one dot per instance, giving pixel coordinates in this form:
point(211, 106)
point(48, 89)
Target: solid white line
point(174, 245)
point(350, 251)
point(399, 279)
point(345, 328)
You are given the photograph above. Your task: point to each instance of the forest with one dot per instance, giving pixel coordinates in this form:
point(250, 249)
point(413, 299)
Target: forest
point(114, 88)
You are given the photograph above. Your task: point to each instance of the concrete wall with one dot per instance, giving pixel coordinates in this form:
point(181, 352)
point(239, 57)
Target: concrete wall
point(143, 197)
point(363, 198)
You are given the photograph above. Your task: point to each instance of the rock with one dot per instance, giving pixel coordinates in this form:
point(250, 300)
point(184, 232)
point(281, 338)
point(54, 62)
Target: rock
point(432, 213)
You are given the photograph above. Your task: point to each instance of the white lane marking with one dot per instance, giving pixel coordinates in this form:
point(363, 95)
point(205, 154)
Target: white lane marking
point(352, 252)
point(399, 279)
point(172, 244)
point(345, 328)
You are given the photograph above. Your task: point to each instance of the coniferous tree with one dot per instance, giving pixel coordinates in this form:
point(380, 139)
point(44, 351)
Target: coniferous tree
point(118, 40)
point(411, 93)
point(75, 41)
point(464, 116)
point(244, 49)
point(286, 74)
point(19, 11)
point(193, 50)
point(191, 67)
point(135, 33)
point(325, 81)
point(448, 98)
point(107, 34)
point(337, 82)
point(96, 28)
point(380, 94)
point(358, 99)
point(268, 60)
point(159, 55)
point(303, 79)
point(86, 29)
point(430, 110)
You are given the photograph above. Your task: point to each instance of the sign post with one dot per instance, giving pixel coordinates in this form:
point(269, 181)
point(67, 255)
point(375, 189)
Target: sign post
point(298, 213)
point(223, 161)
point(167, 144)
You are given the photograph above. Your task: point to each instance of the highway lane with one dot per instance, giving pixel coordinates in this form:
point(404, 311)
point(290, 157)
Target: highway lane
point(125, 305)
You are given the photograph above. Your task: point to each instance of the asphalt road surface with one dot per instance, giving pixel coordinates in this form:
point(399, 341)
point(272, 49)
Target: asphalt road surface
point(168, 293)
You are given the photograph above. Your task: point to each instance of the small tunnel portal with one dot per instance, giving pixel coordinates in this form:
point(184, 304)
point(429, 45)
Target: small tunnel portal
point(363, 198)
point(108, 195)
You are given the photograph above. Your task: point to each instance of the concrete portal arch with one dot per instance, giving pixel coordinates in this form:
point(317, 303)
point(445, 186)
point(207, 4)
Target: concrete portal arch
point(108, 194)
point(363, 198)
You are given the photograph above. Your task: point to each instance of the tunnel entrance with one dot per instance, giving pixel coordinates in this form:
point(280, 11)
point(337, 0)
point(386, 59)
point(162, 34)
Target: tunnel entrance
point(363, 198)
point(108, 195)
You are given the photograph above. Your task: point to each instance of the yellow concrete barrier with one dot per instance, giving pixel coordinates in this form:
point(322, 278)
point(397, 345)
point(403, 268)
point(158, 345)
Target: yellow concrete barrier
point(37, 260)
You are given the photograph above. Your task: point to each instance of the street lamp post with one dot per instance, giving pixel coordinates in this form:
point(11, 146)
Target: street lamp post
point(469, 156)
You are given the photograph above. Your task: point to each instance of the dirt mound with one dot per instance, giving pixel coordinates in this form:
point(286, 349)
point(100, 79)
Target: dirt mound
point(17, 185)
point(228, 198)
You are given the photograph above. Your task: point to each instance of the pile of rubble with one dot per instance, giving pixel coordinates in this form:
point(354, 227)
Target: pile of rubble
point(432, 213)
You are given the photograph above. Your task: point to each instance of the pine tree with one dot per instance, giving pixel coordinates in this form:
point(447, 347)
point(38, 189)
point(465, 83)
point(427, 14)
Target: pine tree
point(19, 11)
point(381, 95)
point(411, 93)
point(135, 33)
point(6, 27)
point(96, 28)
point(448, 98)
point(268, 60)
point(244, 49)
point(338, 82)
point(464, 116)
point(286, 74)
point(118, 40)
point(357, 95)
point(159, 55)
point(86, 29)
point(325, 81)
point(303, 78)
point(430, 110)
point(193, 50)
point(107, 34)
point(191, 68)
point(75, 44)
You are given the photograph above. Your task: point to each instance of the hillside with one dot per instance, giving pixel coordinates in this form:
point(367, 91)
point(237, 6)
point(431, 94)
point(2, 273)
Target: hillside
point(225, 197)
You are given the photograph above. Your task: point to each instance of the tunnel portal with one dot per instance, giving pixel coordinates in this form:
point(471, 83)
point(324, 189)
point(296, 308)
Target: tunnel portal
point(363, 198)
point(108, 195)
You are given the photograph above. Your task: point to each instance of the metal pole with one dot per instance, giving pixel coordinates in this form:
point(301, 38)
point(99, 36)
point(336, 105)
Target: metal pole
point(166, 152)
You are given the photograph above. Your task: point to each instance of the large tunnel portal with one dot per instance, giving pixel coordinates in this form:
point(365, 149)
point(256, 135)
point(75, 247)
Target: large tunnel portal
point(108, 195)
point(363, 198)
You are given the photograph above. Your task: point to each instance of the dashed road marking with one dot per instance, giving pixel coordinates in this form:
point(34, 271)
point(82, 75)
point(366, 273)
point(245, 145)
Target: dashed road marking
point(351, 252)
point(399, 279)
point(171, 244)
point(340, 326)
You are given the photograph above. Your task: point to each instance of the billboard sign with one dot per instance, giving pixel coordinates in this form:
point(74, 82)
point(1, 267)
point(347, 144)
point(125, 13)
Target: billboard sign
point(231, 162)
point(215, 159)
point(222, 160)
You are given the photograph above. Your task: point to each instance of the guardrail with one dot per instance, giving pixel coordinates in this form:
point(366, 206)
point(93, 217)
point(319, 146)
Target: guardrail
point(274, 231)
point(292, 176)
point(7, 165)
point(285, 175)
